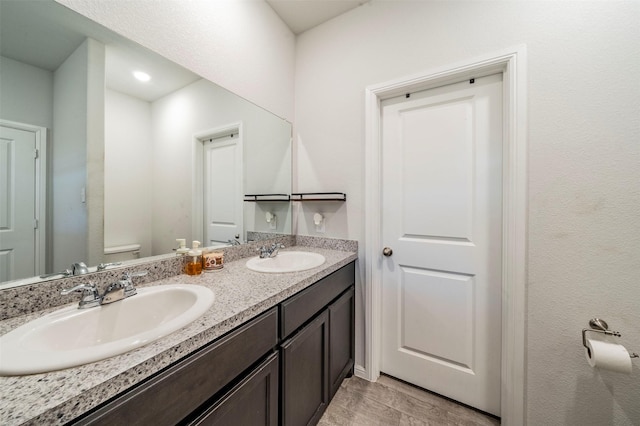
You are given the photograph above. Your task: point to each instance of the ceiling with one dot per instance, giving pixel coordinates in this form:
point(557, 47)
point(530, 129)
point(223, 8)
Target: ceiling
point(44, 34)
point(302, 15)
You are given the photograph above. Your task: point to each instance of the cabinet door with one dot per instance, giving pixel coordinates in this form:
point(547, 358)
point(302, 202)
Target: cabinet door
point(252, 402)
point(341, 339)
point(305, 384)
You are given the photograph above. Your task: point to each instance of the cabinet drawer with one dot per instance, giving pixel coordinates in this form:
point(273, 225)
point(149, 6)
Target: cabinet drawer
point(175, 393)
point(298, 309)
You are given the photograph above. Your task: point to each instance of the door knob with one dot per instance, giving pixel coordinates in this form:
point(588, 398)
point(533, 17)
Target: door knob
point(387, 251)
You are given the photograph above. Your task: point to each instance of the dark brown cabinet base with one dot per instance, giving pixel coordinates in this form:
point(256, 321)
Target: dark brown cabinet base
point(281, 368)
point(174, 394)
point(316, 357)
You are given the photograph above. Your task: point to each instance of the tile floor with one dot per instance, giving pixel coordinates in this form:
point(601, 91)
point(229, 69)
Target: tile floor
point(390, 402)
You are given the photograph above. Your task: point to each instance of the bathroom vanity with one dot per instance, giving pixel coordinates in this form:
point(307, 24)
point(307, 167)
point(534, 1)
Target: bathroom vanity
point(236, 380)
point(273, 349)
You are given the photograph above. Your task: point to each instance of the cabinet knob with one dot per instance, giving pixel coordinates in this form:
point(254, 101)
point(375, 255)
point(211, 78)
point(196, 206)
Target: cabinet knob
point(387, 251)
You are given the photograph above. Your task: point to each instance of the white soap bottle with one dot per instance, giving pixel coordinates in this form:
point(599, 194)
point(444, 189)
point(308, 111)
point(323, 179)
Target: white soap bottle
point(182, 247)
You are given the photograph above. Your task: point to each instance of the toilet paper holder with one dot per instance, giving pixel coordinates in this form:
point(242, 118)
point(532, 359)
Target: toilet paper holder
point(600, 326)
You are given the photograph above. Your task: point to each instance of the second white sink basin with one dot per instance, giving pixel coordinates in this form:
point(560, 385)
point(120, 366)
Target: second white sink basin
point(70, 336)
point(286, 261)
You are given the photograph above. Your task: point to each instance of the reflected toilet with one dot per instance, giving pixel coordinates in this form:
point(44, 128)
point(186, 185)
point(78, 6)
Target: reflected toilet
point(121, 253)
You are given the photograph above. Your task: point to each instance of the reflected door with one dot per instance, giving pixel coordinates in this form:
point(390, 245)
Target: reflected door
point(223, 201)
point(442, 204)
point(17, 203)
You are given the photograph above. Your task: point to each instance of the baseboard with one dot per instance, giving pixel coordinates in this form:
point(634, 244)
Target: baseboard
point(361, 372)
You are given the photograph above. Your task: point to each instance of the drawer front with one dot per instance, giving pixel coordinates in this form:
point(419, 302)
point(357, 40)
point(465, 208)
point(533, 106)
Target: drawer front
point(298, 309)
point(174, 394)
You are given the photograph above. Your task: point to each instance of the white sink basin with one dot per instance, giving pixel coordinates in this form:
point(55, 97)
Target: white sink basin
point(70, 336)
point(286, 261)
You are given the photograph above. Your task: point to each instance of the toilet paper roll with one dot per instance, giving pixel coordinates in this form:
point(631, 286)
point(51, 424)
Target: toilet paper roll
point(608, 356)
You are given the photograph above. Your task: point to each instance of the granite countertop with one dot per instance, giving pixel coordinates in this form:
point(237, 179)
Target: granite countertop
point(240, 294)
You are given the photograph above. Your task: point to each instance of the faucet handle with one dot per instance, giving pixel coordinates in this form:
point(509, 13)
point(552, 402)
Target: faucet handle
point(103, 266)
point(127, 284)
point(79, 288)
point(264, 251)
point(89, 295)
point(127, 276)
point(65, 273)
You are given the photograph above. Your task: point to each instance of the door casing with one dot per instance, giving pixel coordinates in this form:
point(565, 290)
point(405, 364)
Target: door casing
point(197, 152)
point(512, 64)
point(40, 236)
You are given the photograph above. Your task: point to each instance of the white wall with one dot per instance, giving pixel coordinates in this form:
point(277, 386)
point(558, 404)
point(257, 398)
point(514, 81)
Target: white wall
point(27, 93)
point(128, 172)
point(77, 157)
point(69, 161)
point(237, 44)
point(584, 164)
point(255, 217)
point(193, 110)
point(95, 151)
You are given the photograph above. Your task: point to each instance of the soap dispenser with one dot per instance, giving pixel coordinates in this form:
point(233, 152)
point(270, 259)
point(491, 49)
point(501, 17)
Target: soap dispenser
point(193, 265)
point(182, 247)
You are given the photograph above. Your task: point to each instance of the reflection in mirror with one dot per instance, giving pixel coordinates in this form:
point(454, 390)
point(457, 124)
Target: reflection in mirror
point(124, 167)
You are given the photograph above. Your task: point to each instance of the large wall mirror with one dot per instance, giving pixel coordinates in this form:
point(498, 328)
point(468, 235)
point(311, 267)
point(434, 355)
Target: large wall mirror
point(97, 166)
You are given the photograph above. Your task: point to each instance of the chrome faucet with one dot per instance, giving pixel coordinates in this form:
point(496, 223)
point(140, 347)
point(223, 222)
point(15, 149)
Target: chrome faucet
point(116, 291)
point(78, 268)
point(271, 251)
point(90, 296)
point(113, 293)
point(103, 266)
point(121, 288)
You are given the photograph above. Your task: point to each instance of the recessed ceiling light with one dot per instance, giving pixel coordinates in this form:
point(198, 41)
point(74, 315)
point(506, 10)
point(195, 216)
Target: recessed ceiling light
point(142, 76)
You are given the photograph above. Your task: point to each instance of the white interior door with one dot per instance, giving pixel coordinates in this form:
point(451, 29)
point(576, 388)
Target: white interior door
point(17, 203)
point(223, 200)
point(442, 204)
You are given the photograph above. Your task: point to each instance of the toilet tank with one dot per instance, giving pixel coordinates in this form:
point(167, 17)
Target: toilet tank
point(121, 253)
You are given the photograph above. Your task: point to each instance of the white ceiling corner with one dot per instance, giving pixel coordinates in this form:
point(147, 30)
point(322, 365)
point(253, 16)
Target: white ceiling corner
point(302, 15)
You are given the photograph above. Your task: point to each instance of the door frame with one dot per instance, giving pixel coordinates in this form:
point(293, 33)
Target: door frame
point(40, 235)
point(197, 199)
point(512, 64)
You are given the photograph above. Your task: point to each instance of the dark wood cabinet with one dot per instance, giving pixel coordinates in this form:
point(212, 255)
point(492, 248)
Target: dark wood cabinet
point(280, 368)
point(252, 402)
point(301, 307)
point(318, 354)
point(341, 340)
point(174, 394)
point(305, 363)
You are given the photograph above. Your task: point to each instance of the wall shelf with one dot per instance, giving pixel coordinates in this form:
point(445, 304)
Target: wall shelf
point(297, 196)
point(267, 197)
point(318, 196)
